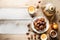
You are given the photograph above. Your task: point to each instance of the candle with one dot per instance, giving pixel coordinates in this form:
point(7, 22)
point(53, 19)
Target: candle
point(31, 9)
point(55, 26)
point(43, 37)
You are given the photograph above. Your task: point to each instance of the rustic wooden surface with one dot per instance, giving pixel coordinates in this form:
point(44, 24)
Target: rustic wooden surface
point(23, 36)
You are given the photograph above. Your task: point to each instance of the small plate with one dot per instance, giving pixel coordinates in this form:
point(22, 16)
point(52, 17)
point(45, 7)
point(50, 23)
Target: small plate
point(47, 25)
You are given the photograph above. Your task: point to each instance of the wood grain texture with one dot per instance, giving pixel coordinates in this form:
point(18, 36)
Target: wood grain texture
point(17, 3)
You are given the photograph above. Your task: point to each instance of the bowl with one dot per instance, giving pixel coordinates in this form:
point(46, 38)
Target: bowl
point(53, 34)
point(47, 25)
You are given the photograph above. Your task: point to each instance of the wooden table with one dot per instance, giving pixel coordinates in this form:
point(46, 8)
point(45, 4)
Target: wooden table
point(23, 36)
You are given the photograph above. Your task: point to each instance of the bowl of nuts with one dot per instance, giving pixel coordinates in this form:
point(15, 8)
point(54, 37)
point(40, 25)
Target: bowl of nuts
point(40, 24)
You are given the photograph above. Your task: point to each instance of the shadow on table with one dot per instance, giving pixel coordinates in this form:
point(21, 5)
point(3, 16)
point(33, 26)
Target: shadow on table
point(54, 39)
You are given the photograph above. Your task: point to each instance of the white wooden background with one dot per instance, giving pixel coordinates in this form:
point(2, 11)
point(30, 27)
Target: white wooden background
point(15, 10)
point(18, 9)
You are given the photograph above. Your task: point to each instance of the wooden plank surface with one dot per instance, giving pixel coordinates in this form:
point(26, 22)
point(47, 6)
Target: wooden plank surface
point(17, 3)
point(23, 36)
